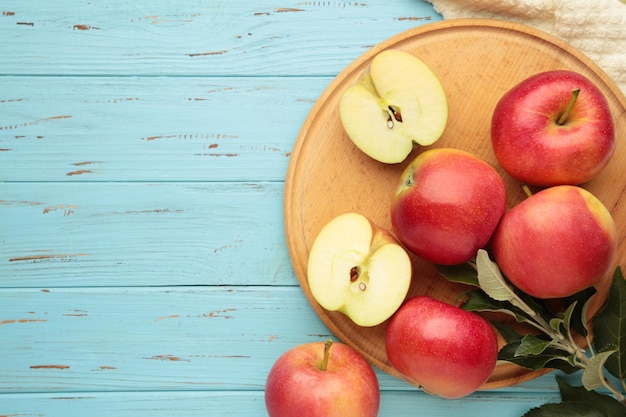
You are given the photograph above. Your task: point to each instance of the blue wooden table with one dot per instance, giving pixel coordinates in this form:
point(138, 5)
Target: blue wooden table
point(143, 152)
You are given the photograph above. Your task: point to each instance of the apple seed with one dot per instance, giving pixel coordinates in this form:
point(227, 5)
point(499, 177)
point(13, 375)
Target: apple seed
point(354, 273)
point(394, 114)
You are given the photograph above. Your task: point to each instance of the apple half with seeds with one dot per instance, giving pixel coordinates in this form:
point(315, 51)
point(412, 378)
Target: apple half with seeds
point(359, 269)
point(396, 103)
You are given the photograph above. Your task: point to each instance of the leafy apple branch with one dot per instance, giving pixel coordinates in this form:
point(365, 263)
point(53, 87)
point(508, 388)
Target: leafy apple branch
point(492, 282)
point(553, 343)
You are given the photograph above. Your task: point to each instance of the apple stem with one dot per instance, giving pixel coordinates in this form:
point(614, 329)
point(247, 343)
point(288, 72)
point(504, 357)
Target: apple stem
point(563, 118)
point(327, 346)
point(527, 190)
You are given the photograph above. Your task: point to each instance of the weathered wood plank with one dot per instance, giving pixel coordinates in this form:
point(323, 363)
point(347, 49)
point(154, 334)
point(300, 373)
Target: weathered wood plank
point(175, 338)
point(251, 404)
point(197, 38)
point(151, 129)
point(67, 340)
point(142, 234)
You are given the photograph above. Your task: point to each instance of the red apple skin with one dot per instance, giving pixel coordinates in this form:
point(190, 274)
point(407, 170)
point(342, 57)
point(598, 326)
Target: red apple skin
point(530, 145)
point(447, 205)
point(448, 351)
point(296, 386)
point(557, 242)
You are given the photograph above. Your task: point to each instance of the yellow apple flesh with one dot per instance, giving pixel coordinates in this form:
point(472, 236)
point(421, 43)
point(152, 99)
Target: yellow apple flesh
point(397, 102)
point(359, 269)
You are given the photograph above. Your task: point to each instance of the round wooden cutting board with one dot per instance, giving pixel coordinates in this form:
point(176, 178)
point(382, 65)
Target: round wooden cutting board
point(477, 61)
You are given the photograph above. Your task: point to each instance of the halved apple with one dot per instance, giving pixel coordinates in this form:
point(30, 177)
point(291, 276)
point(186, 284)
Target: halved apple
point(397, 102)
point(359, 269)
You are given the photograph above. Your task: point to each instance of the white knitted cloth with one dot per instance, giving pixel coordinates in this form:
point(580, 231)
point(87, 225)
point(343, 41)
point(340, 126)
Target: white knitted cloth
point(595, 27)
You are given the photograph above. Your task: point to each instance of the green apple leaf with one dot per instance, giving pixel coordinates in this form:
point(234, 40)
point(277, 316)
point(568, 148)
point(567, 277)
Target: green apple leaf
point(550, 357)
point(464, 273)
point(491, 279)
point(537, 306)
point(578, 321)
point(567, 315)
point(557, 323)
point(601, 402)
point(593, 375)
point(610, 326)
point(562, 322)
point(509, 334)
point(532, 345)
point(573, 409)
point(477, 300)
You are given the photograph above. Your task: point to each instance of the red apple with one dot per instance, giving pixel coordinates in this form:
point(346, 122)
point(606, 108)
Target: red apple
point(447, 205)
point(322, 380)
point(553, 128)
point(447, 351)
point(557, 242)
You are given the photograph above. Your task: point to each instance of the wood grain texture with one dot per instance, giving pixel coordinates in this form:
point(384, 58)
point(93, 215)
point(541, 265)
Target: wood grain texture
point(151, 129)
point(173, 338)
point(248, 403)
point(197, 38)
point(155, 339)
point(142, 234)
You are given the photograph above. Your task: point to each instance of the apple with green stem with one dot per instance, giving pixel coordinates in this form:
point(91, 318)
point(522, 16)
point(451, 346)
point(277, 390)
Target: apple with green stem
point(447, 204)
point(447, 351)
point(322, 380)
point(557, 242)
point(397, 102)
point(359, 269)
point(553, 128)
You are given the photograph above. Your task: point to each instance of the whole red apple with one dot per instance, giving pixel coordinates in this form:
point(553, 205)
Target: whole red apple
point(322, 380)
point(446, 350)
point(557, 242)
point(553, 128)
point(447, 205)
